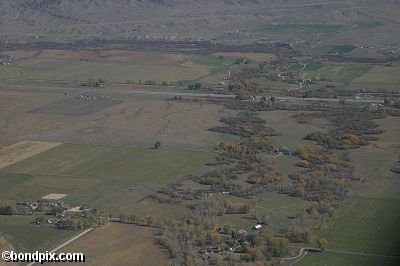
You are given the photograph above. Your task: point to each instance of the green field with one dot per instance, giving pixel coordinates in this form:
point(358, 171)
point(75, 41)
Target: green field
point(300, 27)
point(9, 181)
point(308, 67)
point(278, 207)
point(112, 163)
point(111, 71)
point(115, 179)
point(25, 236)
point(366, 225)
point(339, 73)
point(334, 259)
point(381, 77)
point(214, 61)
point(340, 49)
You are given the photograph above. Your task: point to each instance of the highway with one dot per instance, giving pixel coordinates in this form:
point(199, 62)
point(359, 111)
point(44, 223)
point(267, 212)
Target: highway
point(168, 94)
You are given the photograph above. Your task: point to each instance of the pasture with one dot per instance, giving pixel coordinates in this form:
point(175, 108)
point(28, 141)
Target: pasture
point(338, 49)
point(372, 163)
point(329, 258)
point(113, 66)
point(344, 73)
point(301, 28)
point(112, 163)
point(114, 179)
point(368, 220)
point(22, 150)
point(115, 120)
point(278, 207)
point(290, 133)
point(119, 244)
point(365, 225)
point(380, 76)
point(25, 236)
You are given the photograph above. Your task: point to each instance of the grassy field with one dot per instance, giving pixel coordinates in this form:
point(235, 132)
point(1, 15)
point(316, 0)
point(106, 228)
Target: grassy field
point(380, 76)
point(301, 27)
point(334, 259)
point(112, 163)
point(290, 133)
point(279, 208)
point(116, 72)
point(121, 120)
point(25, 236)
point(115, 179)
point(119, 244)
point(373, 163)
point(9, 181)
point(23, 150)
point(340, 49)
point(379, 180)
point(339, 73)
point(112, 66)
point(368, 220)
point(366, 225)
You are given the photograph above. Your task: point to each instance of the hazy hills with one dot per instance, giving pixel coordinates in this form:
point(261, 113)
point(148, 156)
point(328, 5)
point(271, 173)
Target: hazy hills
point(225, 20)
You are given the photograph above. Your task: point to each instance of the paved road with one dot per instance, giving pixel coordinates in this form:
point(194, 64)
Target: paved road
point(66, 243)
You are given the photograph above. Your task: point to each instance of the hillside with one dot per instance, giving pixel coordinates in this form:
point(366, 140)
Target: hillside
point(228, 21)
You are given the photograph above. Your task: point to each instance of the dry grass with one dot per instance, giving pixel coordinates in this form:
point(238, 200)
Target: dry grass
point(23, 150)
point(36, 116)
point(291, 133)
point(119, 244)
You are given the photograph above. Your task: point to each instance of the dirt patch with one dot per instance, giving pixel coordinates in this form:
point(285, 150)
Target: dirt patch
point(54, 196)
point(119, 244)
point(23, 150)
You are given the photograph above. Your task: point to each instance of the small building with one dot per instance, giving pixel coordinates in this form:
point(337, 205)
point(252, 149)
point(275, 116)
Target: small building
point(257, 227)
point(74, 210)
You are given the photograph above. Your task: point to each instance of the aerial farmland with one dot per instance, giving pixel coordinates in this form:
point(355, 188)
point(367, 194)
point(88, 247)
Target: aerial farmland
point(174, 132)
